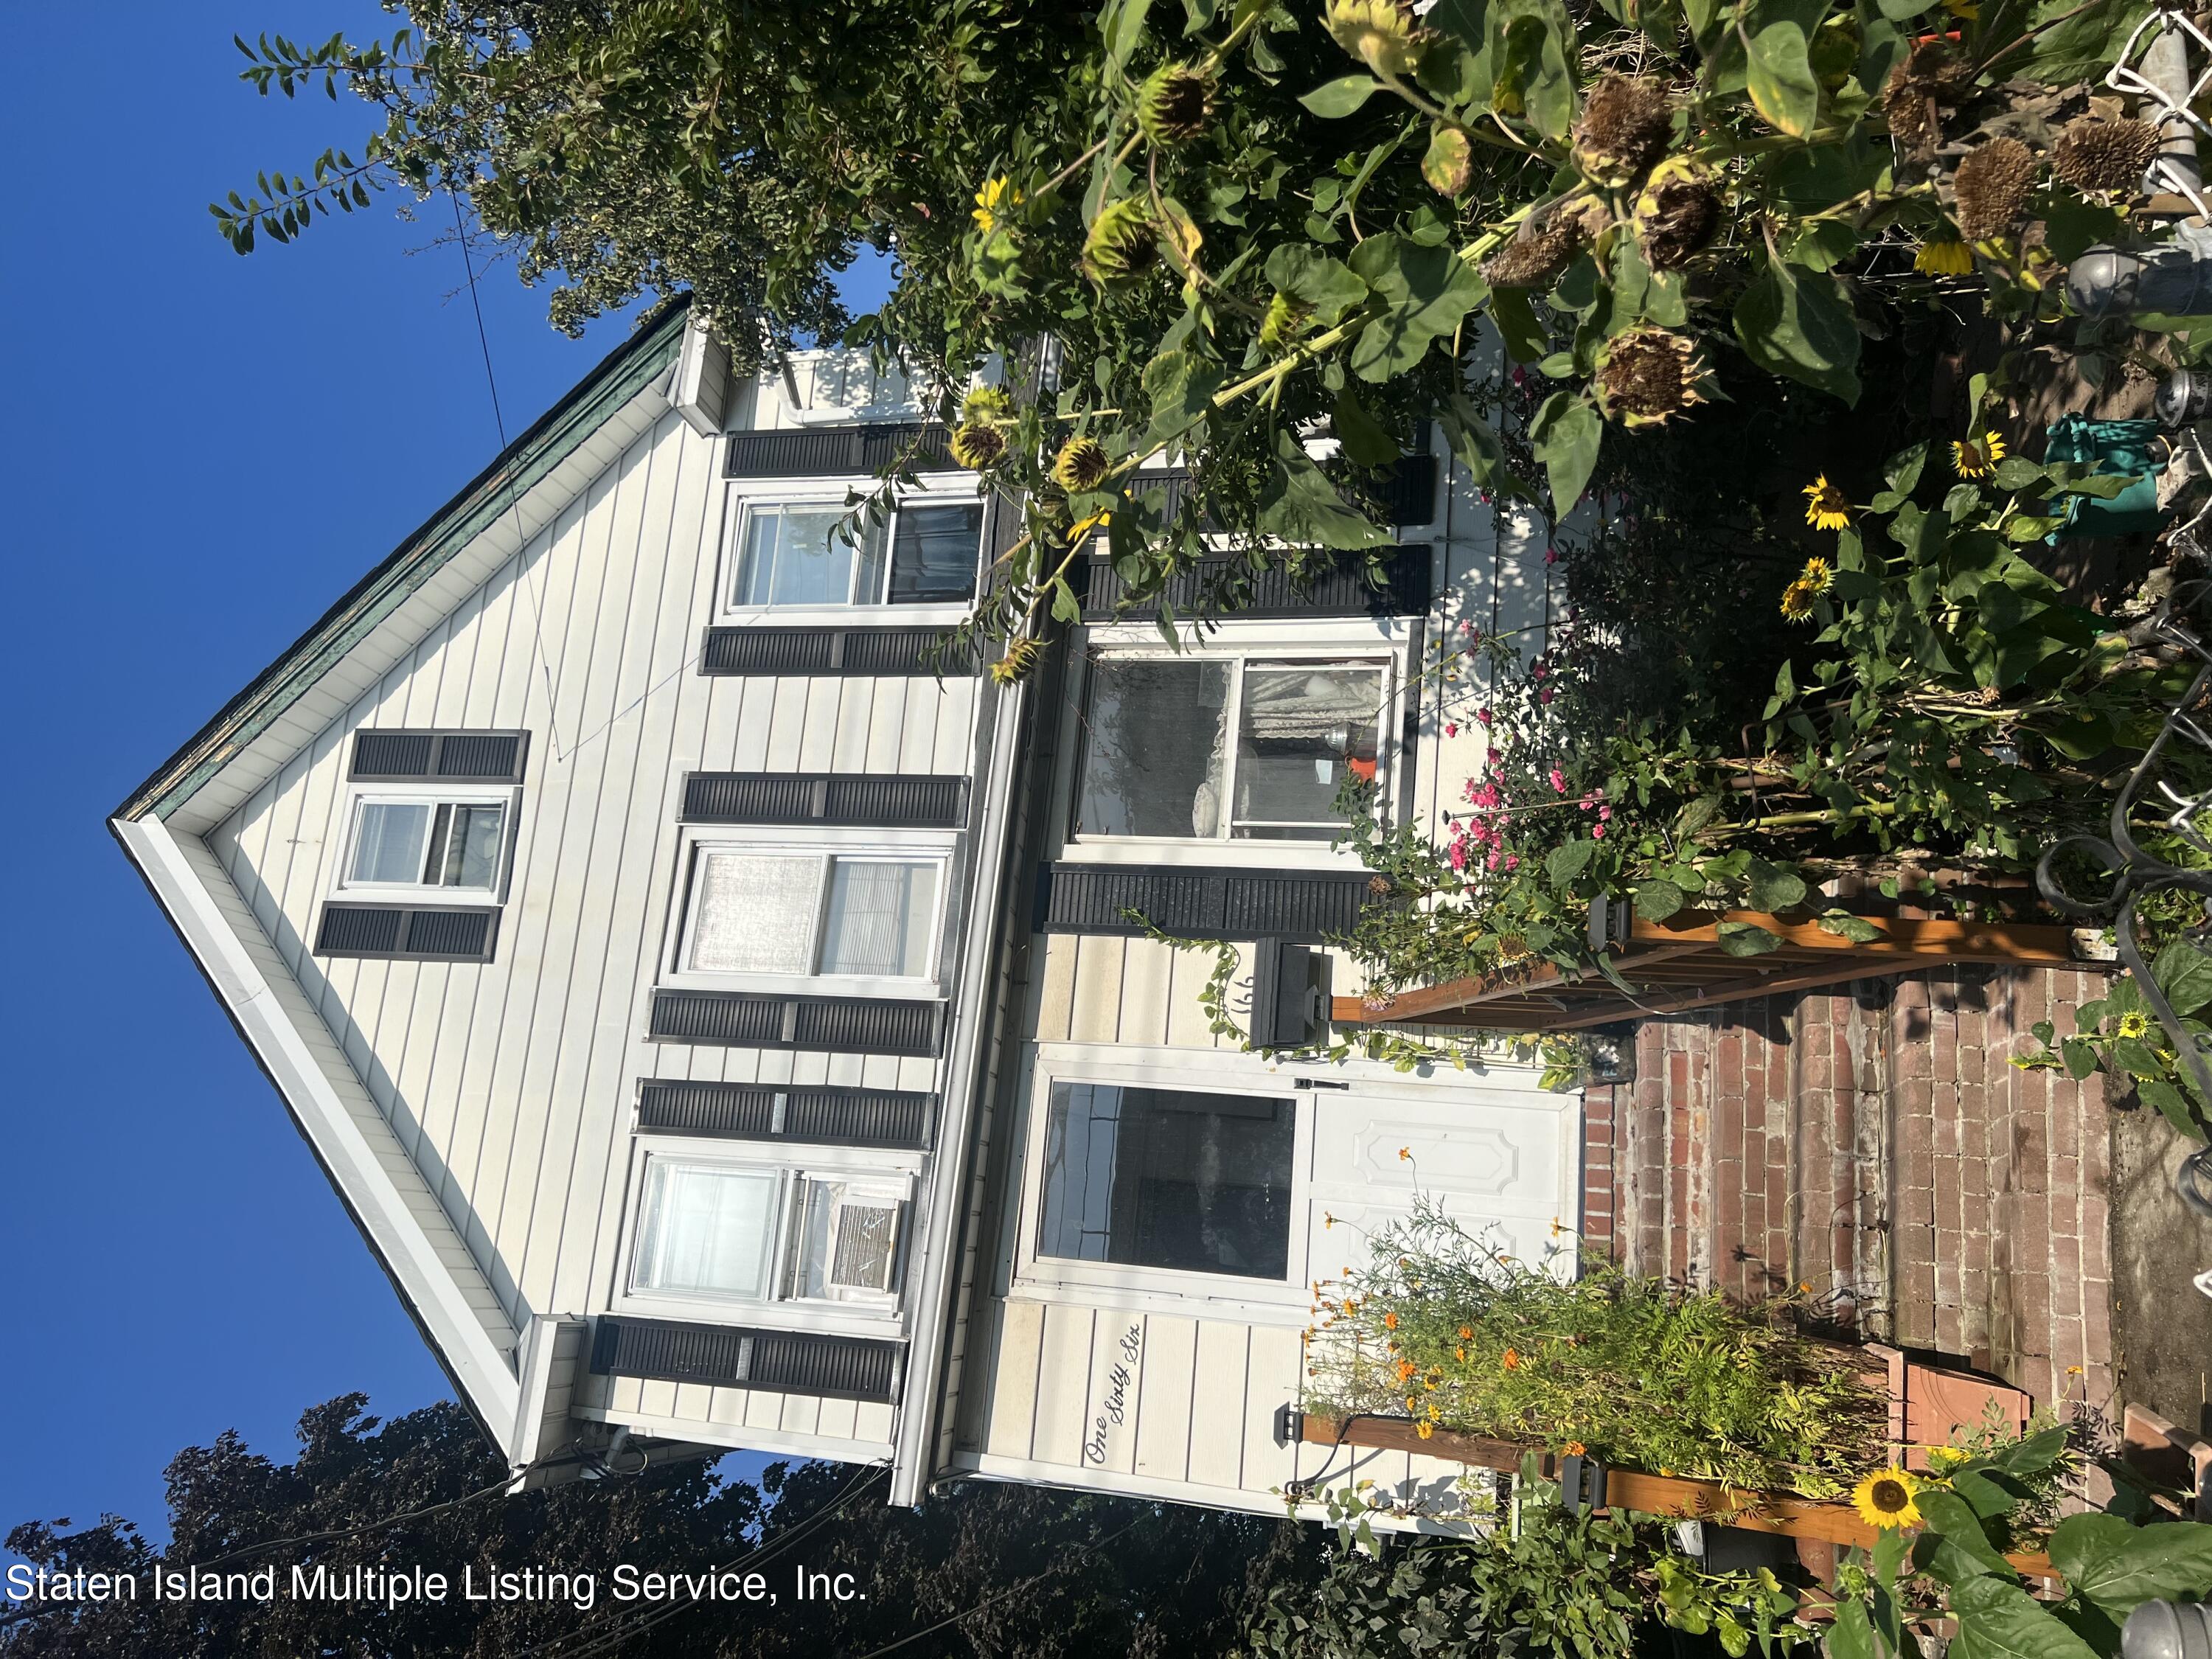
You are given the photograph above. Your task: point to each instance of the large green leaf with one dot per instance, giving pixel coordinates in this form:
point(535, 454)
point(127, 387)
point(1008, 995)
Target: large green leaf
point(1779, 77)
point(1774, 888)
point(2119, 1566)
point(1851, 1636)
point(1954, 1548)
point(1181, 385)
point(1312, 278)
point(1361, 437)
point(1570, 859)
point(2185, 973)
point(1425, 291)
point(1565, 435)
point(1747, 938)
point(1300, 505)
point(1475, 446)
point(1998, 1620)
point(1796, 323)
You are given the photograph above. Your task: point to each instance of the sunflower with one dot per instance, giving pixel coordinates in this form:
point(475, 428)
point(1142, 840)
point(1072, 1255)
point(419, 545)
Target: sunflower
point(1977, 456)
point(1091, 526)
point(978, 447)
point(1946, 256)
point(1797, 601)
point(2134, 1025)
point(1425, 1428)
point(997, 195)
point(1818, 575)
point(1827, 508)
point(1885, 1499)
point(1021, 657)
point(1941, 1459)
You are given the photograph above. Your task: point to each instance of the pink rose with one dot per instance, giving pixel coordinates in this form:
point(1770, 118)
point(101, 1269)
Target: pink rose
point(1558, 781)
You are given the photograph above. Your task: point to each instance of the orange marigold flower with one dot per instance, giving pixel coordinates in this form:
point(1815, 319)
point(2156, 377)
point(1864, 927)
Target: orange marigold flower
point(1462, 1354)
point(1390, 1321)
point(1406, 1369)
point(1512, 1360)
point(1406, 1152)
point(1576, 1448)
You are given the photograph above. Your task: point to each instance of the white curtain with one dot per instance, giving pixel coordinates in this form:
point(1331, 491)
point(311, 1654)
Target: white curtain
point(707, 1231)
point(755, 914)
point(879, 918)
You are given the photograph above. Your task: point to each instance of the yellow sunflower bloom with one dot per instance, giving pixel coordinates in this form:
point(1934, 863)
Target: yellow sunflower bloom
point(996, 196)
point(1945, 257)
point(1827, 508)
point(1977, 456)
point(1818, 575)
point(2134, 1025)
point(1941, 1459)
point(1423, 1429)
point(1885, 1499)
point(1089, 526)
point(1797, 601)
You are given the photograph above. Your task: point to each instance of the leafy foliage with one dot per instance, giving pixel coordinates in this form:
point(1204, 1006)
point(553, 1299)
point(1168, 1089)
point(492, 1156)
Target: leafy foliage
point(1454, 1334)
point(1173, 1580)
point(2116, 1035)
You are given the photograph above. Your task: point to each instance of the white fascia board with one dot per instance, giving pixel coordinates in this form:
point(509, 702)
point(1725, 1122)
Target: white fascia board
point(402, 1237)
point(922, 1393)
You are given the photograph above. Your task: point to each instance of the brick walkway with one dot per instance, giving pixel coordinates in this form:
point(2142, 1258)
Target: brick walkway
point(1876, 1145)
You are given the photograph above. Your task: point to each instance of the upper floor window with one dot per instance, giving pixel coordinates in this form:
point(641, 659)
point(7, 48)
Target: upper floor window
point(455, 845)
point(722, 1231)
point(770, 916)
point(792, 554)
point(1226, 748)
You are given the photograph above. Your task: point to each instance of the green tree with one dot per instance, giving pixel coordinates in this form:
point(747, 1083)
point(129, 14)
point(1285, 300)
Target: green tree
point(1005, 1570)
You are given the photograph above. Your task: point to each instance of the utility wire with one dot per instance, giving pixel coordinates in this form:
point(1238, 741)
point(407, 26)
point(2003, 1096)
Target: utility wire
point(514, 503)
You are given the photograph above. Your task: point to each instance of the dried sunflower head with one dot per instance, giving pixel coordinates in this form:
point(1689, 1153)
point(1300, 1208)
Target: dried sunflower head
point(1382, 34)
point(1022, 656)
point(2105, 156)
point(1918, 90)
point(1992, 186)
point(1539, 252)
point(1648, 374)
point(1623, 128)
point(1080, 465)
point(978, 445)
point(1175, 103)
point(1123, 241)
point(1676, 213)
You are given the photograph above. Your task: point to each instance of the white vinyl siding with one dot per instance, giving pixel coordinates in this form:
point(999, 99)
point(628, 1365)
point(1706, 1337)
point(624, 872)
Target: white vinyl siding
point(508, 1084)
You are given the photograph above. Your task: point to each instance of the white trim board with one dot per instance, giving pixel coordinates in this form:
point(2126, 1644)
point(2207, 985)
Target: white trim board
point(429, 1264)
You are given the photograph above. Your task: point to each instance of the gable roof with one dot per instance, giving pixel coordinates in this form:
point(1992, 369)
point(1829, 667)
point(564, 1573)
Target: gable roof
point(501, 489)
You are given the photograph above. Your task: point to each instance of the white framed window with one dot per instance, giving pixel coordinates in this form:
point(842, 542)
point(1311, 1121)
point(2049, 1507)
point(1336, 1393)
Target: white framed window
point(787, 555)
point(1215, 746)
point(793, 1244)
point(451, 844)
point(1166, 1179)
point(852, 916)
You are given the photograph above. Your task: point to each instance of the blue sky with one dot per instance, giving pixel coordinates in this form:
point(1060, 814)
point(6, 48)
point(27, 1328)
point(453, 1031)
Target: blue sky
point(201, 452)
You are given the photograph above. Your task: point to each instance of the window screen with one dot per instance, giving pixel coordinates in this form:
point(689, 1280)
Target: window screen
point(1165, 1178)
point(805, 913)
point(934, 552)
point(1153, 759)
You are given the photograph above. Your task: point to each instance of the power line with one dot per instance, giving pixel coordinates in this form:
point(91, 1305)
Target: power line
point(514, 503)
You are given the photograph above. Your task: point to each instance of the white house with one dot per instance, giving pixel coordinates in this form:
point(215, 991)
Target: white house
point(720, 1010)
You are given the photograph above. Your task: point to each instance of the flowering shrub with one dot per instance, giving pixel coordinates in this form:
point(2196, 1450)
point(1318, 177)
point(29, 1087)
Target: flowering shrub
point(1445, 1330)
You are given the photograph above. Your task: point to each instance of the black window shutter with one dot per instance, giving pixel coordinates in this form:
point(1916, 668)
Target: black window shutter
point(738, 1356)
point(828, 450)
point(865, 1025)
point(431, 756)
point(889, 799)
point(1301, 905)
point(822, 1115)
point(1334, 585)
point(405, 932)
point(766, 649)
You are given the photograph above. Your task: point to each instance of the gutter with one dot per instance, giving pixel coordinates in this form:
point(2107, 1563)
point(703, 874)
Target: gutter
point(924, 1402)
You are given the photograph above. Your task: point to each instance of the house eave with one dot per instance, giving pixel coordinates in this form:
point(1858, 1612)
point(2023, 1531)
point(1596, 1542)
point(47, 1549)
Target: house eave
point(632, 367)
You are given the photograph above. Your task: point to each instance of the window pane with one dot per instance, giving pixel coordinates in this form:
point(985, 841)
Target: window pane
point(1162, 1178)
point(934, 557)
point(1153, 748)
point(879, 918)
point(707, 1231)
point(844, 1260)
point(753, 914)
point(1301, 730)
point(791, 556)
point(473, 847)
point(389, 843)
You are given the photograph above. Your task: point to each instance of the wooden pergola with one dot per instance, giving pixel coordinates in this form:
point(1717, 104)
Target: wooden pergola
point(1685, 962)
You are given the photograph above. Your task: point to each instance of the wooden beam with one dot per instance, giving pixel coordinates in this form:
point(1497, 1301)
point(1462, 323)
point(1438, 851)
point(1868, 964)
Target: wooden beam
point(1630, 1489)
